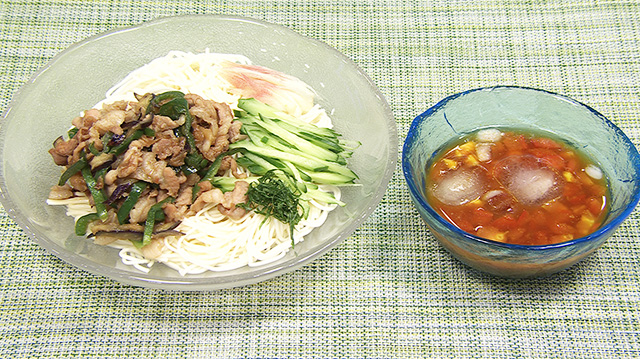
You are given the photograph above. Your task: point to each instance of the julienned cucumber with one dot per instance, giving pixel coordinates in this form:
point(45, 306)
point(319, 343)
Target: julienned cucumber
point(309, 191)
point(277, 140)
point(256, 108)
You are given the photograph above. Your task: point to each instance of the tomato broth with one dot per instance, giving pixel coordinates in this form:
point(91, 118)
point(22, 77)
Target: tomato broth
point(517, 187)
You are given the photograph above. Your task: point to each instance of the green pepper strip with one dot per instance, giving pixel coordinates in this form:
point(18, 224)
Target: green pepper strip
point(105, 141)
point(185, 130)
point(98, 195)
point(155, 214)
point(93, 150)
point(129, 203)
point(73, 169)
point(121, 148)
point(212, 171)
point(169, 95)
point(149, 132)
point(72, 132)
point(173, 105)
point(174, 108)
point(83, 222)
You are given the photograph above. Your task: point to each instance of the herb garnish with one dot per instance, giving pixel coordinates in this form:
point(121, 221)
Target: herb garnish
point(276, 195)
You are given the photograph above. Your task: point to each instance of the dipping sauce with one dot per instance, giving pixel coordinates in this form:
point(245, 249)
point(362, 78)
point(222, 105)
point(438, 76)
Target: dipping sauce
point(517, 187)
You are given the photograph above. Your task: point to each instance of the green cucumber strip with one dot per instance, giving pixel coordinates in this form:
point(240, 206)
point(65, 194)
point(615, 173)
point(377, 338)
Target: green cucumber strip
point(297, 158)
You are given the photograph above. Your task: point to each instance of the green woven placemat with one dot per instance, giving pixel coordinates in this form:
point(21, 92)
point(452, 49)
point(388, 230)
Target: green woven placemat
point(389, 290)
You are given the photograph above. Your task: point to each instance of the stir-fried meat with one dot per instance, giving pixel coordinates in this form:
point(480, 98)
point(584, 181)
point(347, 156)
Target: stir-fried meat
point(177, 210)
point(227, 202)
point(229, 207)
point(213, 196)
point(77, 183)
point(111, 225)
point(234, 132)
point(225, 119)
point(153, 250)
point(171, 148)
point(212, 121)
point(133, 158)
point(61, 192)
point(229, 163)
point(171, 181)
point(157, 153)
point(111, 121)
point(164, 123)
point(142, 207)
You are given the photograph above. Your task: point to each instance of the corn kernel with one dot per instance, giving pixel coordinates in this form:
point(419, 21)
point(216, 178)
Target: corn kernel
point(451, 164)
point(476, 202)
point(568, 176)
point(471, 160)
point(468, 147)
point(585, 223)
point(492, 233)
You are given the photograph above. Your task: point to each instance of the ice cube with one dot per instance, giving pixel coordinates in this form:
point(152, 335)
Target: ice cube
point(483, 151)
point(498, 200)
point(489, 135)
point(460, 186)
point(594, 172)
point(528, 179)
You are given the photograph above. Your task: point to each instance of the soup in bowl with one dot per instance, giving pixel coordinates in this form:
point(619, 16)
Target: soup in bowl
point(519, 202)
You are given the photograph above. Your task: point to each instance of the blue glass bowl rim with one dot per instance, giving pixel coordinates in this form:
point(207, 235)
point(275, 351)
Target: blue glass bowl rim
point(410, 139)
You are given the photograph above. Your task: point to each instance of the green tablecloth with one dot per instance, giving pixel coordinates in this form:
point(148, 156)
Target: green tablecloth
point(389, 290)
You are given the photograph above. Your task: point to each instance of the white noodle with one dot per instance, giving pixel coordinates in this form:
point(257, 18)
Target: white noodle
point(182, 71)
point(210, 240)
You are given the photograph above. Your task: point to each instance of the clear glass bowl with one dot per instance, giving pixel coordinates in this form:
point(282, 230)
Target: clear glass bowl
point(78, 78)
point(522, 108)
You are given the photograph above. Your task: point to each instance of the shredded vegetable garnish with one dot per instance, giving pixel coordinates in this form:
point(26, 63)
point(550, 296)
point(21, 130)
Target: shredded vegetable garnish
point(276, 194)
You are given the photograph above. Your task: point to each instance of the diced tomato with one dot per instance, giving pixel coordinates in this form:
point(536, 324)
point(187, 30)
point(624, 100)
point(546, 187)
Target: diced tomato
point(573, 193)
point(516, 235)
point(544, 142)
point(523, 219)
point(538, 218)
point(577, 210)
point(535, 238)
point(481, 216)
point(561, 228)
point(463, 223)
point(549, 156)
point(572, 164)
point(515, 142)
point(559, 211)
point(505, 223)
point(594, 204)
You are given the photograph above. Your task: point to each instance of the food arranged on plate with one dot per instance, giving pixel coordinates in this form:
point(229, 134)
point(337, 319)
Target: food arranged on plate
point(203, 162)
point(517, 187)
